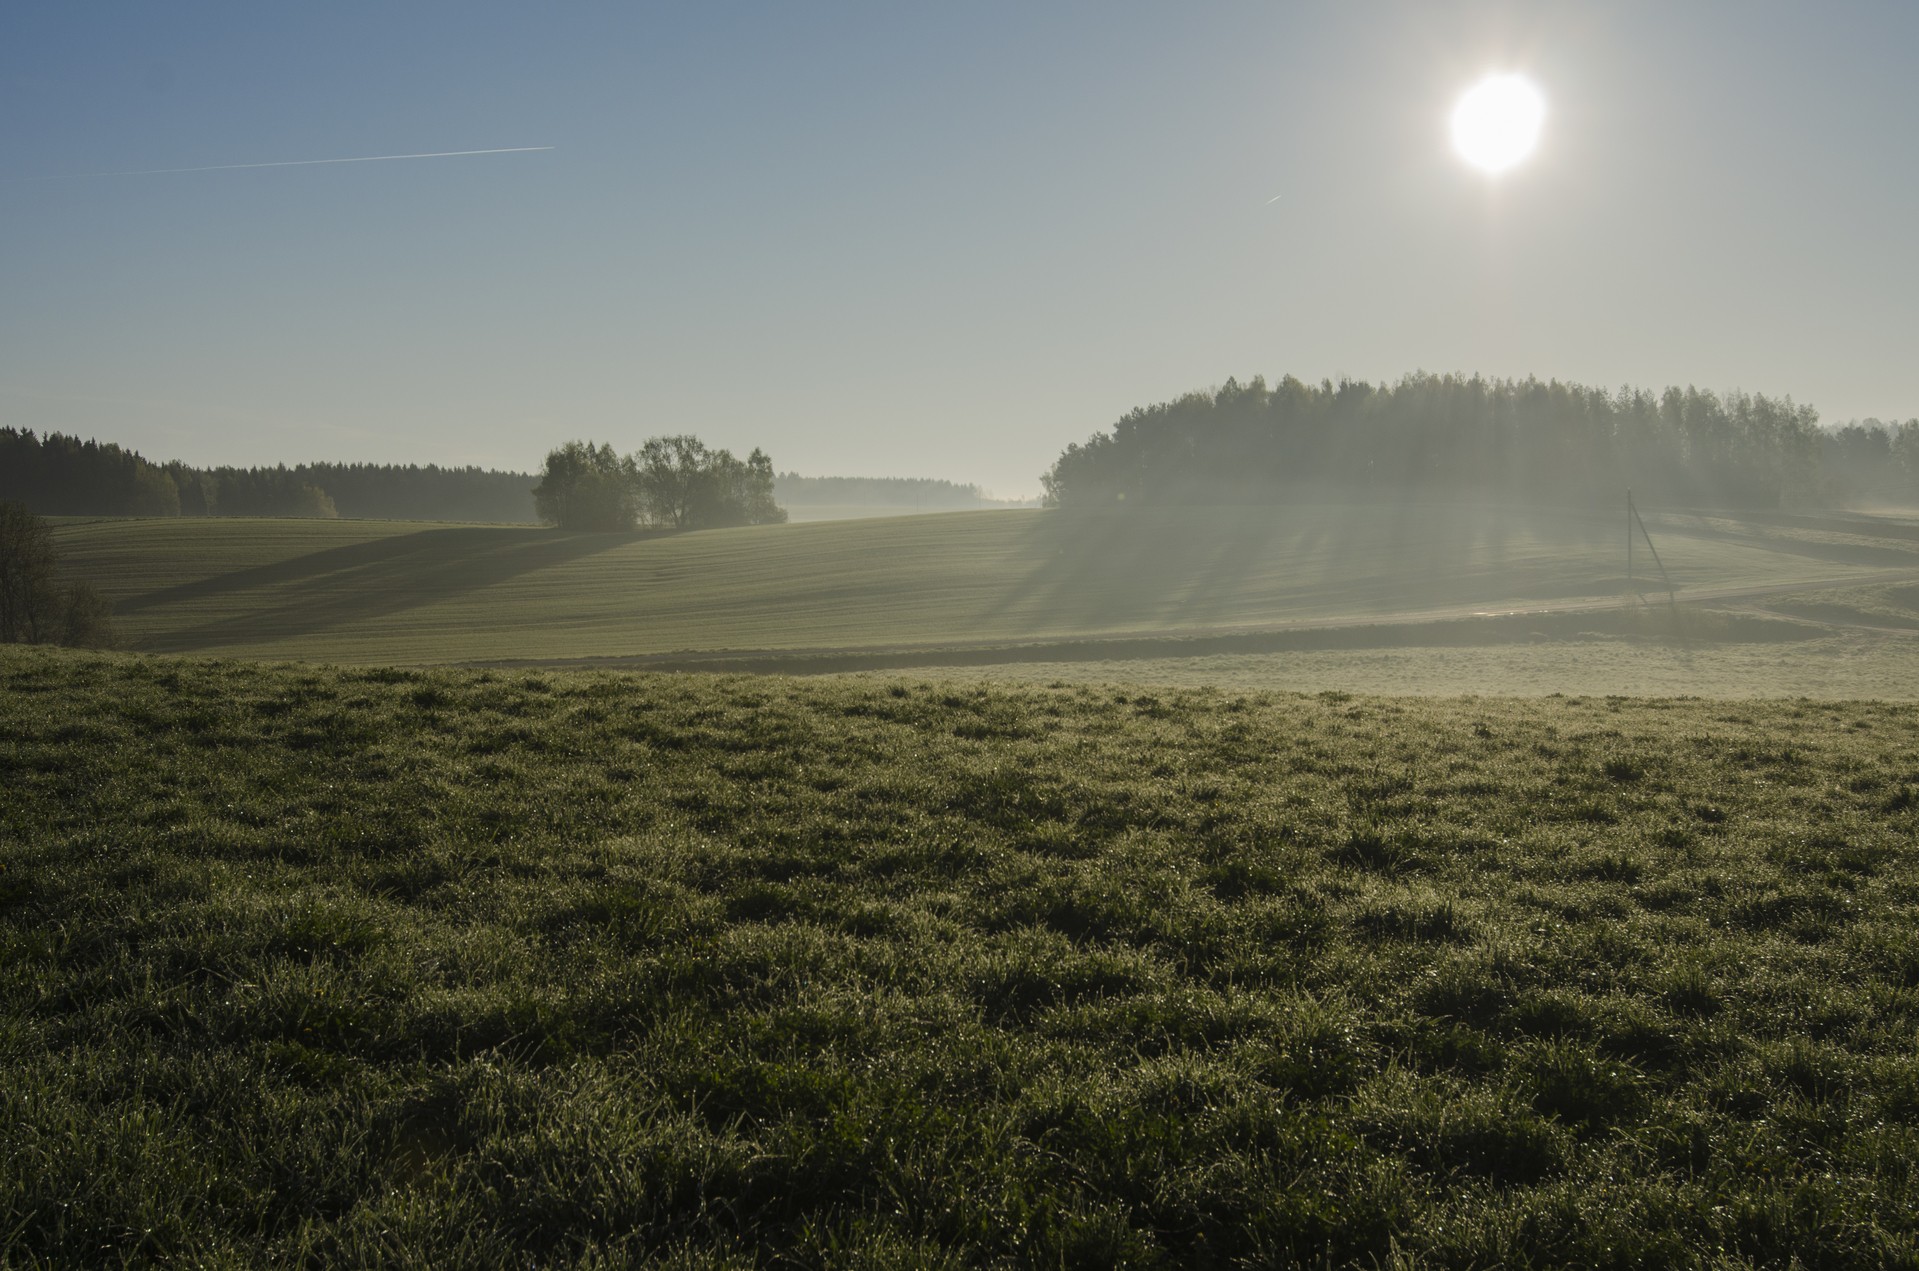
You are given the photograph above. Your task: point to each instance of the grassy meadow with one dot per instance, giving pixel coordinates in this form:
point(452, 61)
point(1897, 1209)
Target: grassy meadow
point(333, 966)
point(1825, 663)
point(399, 593)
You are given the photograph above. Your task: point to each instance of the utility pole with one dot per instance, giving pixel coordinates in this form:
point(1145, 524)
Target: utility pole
point(1633, 519)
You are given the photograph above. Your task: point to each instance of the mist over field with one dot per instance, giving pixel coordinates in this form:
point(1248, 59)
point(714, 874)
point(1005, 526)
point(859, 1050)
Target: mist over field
point(995, 636)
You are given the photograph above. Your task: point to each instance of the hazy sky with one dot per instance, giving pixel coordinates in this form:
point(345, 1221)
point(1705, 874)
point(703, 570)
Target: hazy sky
point(922, 240)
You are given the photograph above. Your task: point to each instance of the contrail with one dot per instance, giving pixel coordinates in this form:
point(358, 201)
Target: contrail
point(293, 163)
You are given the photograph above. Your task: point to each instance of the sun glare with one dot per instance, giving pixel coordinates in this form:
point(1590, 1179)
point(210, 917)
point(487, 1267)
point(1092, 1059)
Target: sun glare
point(1496, 123)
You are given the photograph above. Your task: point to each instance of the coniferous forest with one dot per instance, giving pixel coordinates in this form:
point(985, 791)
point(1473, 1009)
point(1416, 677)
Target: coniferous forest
point(58, 475)
point(1452, 436)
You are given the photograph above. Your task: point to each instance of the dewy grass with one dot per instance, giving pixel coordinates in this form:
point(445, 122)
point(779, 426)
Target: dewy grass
point(444, 968)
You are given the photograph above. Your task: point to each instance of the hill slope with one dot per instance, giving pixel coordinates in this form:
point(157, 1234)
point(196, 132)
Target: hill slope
point(398, 592)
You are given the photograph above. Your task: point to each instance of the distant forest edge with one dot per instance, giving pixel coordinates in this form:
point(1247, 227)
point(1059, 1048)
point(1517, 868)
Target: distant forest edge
point(1452, 436)
point(58, 475)
point(792, 489)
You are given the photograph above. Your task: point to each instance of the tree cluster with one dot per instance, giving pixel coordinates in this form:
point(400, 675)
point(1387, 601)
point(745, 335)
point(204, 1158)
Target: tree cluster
point(35, 608)
point(673, 482)
point(57, 475)
point(1447, 436)
point(1868, 461)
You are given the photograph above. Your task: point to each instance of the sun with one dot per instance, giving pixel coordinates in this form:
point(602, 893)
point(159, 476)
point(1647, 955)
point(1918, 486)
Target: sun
point(1496, 123)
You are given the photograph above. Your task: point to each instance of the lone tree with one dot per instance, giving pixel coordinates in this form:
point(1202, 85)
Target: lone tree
point(670, 472)
point(34, 608)
point(585, 487)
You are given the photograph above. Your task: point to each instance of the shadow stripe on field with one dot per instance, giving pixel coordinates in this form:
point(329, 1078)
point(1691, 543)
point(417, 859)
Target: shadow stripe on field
point(347, 585)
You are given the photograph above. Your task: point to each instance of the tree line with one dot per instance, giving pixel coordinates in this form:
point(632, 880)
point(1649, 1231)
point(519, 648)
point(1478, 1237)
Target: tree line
point(1450, 436)
point(675, 482)
point(1868, 461)
point(57, 475)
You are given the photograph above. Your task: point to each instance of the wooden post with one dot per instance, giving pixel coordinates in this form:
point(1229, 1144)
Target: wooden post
point(1633, 516)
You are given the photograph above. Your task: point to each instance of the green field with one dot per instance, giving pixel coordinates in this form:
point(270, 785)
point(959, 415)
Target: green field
point(1289, 597)
point(454, 968)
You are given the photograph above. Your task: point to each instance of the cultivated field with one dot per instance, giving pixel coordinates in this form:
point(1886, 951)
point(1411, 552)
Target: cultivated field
point(1300, 596)
point(469, 968)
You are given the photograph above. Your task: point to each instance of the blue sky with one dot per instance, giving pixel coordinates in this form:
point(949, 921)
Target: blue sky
point(921, 240)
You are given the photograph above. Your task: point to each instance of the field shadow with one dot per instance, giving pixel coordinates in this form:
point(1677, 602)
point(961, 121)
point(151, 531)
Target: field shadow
point(1103, 569)
point(294, 569)
point(341, 586)
point(1106, 569)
